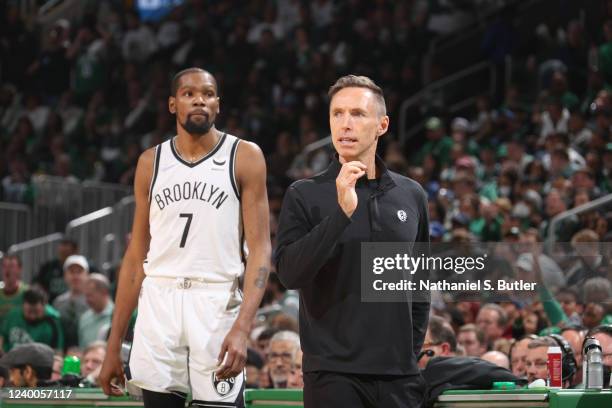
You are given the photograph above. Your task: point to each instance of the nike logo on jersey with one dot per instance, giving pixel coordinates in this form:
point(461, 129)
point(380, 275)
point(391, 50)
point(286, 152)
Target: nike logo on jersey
point(219, 163)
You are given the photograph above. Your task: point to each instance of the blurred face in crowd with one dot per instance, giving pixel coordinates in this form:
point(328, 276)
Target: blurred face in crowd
point(92, 360)
point(592, 315)
point(11, 274)
point(280, 360)
point(196, 103)
point(296, 377)
point(23, 376)
point(488, 321)
point(568, 303)
point(605, 341)
point(356, 122)
point(64, 250)
point(96, 298)
point(554, 204)
point(519, 354)
point(535, 363)
point(530, 323)
point(470, 343)
point(33, 313)
point(75, 277)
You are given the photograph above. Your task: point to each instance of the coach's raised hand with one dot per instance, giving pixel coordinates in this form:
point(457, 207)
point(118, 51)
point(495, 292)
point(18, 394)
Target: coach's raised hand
point(345, 185)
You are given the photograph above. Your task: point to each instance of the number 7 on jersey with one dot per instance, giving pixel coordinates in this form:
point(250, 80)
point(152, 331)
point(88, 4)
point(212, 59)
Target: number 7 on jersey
point(189, 217)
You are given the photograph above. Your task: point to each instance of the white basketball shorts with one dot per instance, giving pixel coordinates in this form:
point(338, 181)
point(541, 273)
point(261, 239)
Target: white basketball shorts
point(180, 327)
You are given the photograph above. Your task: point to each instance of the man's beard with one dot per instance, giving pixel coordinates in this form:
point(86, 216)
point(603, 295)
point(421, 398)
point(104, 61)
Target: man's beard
point(194, 128)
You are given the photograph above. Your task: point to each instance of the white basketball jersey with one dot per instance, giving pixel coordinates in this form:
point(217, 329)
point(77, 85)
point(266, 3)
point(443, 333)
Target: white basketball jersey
point(195, 219)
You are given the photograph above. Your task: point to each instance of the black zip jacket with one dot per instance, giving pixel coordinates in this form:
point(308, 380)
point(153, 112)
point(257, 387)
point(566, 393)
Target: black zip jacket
point(318, 252)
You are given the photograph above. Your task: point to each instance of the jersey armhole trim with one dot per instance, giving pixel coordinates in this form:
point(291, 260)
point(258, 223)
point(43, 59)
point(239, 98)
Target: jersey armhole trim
point(232, 169)
point(155, 169)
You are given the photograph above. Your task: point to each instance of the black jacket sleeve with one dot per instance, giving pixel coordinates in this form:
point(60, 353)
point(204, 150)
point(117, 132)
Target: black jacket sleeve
point(302, 249)
point(420, 309)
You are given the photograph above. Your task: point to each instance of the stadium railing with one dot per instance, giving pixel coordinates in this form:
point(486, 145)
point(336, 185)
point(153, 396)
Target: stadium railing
point(449, 91)
point(15, 222)
point(35, 252)
point(57, 201)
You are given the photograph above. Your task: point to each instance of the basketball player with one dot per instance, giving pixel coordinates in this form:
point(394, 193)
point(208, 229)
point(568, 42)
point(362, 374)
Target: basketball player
point(198, 195)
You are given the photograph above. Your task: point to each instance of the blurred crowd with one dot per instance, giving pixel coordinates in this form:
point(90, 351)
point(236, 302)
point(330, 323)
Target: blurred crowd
point(82, 99)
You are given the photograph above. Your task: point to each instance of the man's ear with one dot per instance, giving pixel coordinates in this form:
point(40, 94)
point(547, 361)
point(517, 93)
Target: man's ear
point(383, 126)
point(172, 105)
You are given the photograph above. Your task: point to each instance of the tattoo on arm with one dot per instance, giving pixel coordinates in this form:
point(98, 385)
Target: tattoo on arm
point(262, 276)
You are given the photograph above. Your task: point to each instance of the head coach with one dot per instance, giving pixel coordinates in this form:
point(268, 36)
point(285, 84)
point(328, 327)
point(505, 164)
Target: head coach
point(356, 354)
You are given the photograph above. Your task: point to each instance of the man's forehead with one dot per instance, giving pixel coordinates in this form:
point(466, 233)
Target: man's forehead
point(352, 96)
point(197, 79)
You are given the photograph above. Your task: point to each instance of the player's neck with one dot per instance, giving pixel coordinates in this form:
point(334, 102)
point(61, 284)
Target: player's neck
point(192, 147)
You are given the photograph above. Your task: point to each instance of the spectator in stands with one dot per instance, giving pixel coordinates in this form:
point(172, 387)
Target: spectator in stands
point(536, 358)
point(36, 321)
point(29, 364)
point(252, 368)
point(296, 376)
point(95, 322)
point(72, 304)
point(440, 341)
point(603, 334)
point(492, 320)
point(263, 341)
point(593, 314)
point(571, 304)
point(472, 339)
point(51, 274)
point(93, 356)
point(575, 336)
point(12, 288)
point(438, 145)
point(284, 346)
point(497, 358)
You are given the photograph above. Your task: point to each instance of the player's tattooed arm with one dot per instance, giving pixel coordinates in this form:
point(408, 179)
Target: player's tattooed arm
point(262, 277)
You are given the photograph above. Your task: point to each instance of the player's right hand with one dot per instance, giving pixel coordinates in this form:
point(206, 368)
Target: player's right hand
point(345, 185)
point(111, 377)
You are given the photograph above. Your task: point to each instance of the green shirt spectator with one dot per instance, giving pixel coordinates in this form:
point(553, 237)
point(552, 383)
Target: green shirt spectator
point(34, 322)
point(438, 145)
point(11, 287)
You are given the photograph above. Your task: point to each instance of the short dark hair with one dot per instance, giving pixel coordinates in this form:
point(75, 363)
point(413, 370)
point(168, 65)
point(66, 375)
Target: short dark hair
point(569, 291)
point(441, 332)
point(71, 242)
point(42, 373)
point(177, 77)
point(354, 81)
point(34, 296)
